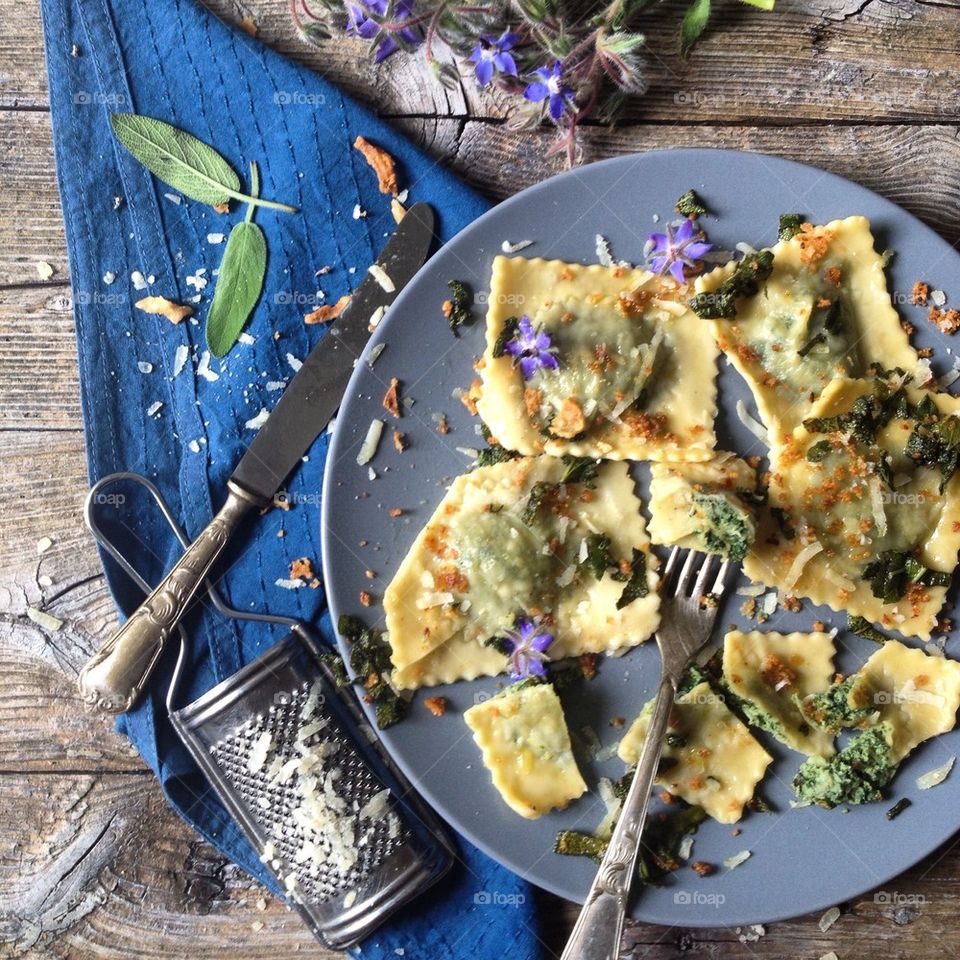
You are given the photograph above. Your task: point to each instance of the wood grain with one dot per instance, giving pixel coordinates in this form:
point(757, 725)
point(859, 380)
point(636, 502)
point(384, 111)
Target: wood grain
point(92, 862)
point(850, 60)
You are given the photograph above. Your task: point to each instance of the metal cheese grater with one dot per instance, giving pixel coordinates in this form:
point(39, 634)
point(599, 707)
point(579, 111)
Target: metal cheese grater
point(293, 759)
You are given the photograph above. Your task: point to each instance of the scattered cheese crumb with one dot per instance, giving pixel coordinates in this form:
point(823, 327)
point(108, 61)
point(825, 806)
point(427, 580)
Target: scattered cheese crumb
point(508, 247)
point(138, 280)
point(829, 919)
point(203, 368)
point(154, 408)
point(144, 367)
point(43, 545)
point(180, 358)
point(43, 619)
point(44, 269)
point(215, 238)
point(255, 423)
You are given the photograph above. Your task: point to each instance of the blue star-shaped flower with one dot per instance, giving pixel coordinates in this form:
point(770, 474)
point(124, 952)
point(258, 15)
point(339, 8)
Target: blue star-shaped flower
point(676, 251)
point(531, 349)
point(362, 25)
point(528, 649)
point(550, 87)
point(491, 56)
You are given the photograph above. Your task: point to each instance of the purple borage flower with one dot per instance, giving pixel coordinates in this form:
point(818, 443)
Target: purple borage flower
point(674, 251)
point(531, 349)
point(550, 86)
point(528, 649)
point(491, 57)
point(360, 24)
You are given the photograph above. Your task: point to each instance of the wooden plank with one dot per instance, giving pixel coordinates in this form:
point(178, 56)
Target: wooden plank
point(30, 207)
point(845, 60)
point(98, 866)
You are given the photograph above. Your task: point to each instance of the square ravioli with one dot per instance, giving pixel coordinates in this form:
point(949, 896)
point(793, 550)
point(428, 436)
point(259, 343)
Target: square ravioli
point(526, 747)
point(606, 362)
point(561, 541)
point(771, 673)
point(716, 763)
point(915, 693)
point(705, 506)
point(858, 519)
point(824, 312)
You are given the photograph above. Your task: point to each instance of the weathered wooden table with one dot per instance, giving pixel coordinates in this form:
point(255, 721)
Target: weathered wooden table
point(92, 864)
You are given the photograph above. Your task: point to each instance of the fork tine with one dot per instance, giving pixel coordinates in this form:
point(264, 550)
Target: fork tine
point(701, 581)
point(720, 583)
point(681, 588)
point(669, 568)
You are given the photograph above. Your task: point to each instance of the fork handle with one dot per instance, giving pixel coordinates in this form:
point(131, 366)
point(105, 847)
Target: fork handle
point(596, 934)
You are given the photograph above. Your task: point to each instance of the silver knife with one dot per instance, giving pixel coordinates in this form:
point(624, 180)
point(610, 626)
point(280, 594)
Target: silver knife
point(116, 675)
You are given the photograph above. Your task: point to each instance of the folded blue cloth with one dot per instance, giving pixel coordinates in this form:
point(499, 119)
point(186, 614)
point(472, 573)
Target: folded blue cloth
point(129, 235)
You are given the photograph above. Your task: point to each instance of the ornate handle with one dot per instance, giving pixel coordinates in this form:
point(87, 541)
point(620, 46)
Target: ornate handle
point(596, 934)
point(115, 676)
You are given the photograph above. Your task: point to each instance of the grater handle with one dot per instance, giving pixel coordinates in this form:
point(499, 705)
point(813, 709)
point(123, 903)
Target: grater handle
point(113, 679)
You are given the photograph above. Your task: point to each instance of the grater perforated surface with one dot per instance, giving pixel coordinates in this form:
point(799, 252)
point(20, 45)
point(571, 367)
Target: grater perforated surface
point(274, 804)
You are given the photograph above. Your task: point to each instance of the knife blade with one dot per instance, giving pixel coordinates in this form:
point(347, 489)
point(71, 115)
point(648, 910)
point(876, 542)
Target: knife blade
point(314, 394)
point(116, 675)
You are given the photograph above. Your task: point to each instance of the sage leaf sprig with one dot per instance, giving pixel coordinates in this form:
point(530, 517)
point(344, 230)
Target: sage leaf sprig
point(183, 162)
point(199, 172)
point(240, 281)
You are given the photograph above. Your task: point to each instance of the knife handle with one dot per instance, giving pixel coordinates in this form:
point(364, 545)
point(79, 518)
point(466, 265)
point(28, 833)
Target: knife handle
point(113, 679)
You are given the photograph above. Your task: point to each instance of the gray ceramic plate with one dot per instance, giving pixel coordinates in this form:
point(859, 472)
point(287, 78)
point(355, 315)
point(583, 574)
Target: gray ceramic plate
point(802, 860)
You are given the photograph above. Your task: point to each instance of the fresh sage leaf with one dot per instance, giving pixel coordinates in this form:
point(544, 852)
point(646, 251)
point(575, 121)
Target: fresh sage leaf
point(182, 161)
point(239, 285)
point(177, 158)
point(240, 281)
point(694, 23)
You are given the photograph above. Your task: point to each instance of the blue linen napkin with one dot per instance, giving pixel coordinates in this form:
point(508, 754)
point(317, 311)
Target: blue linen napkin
point(148, 410)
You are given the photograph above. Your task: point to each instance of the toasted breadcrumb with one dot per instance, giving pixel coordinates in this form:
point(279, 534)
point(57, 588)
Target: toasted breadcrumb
point(395, 512)
point(382, 164)
point(436, 705)
point(328, 312)
point(398, 210)
point(702, 869)
point(920, 293)
point(391, 399)
point(588, 665)
point(399, 441)
point(161, 306)
point(946, 321)
point(365, 598)
point(442, 425)
point(248, 26)
point(302, 569)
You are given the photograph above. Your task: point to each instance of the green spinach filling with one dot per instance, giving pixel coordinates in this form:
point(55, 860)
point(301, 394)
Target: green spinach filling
point(857, 774)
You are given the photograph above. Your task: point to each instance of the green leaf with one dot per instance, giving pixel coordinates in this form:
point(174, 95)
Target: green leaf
point(239, 285)
point(762, 4)
point(694, 23)
point(182, 161)
point(177, 158)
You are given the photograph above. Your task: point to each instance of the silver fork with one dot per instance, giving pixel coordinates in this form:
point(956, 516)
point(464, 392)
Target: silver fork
point(685, 626)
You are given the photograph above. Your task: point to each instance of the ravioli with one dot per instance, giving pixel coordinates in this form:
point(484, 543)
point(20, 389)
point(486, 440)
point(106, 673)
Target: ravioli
point(526, 747)
point(521, 539)
point(917, 694)
point(634, 373)
point(825, 312)
point(709, 757)
point(702, 505)
point(861, 502)
point(771, 672)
